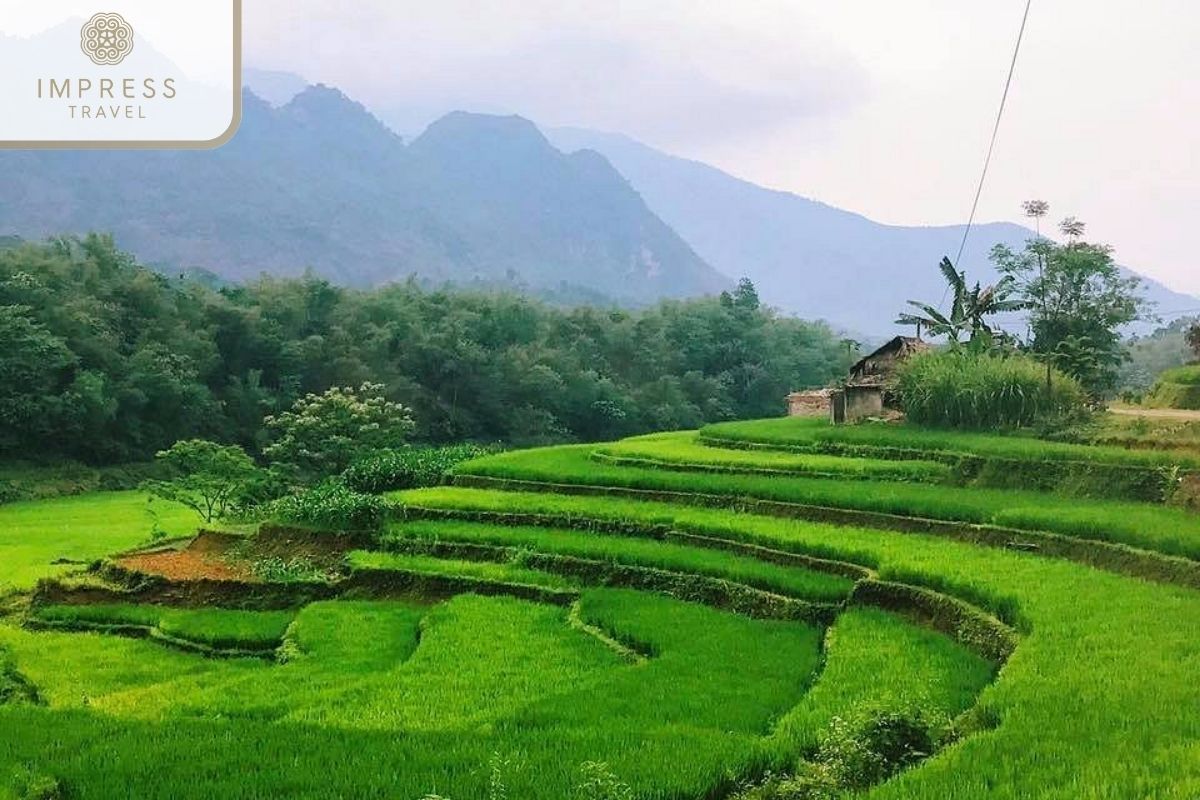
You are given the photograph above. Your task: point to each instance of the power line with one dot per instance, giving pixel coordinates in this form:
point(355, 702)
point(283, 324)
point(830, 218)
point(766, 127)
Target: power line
point(1012, 67)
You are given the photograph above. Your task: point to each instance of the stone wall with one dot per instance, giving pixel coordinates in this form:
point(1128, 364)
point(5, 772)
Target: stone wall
point(808, 404)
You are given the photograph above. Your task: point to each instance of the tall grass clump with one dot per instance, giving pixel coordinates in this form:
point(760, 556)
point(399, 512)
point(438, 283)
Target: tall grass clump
point(960, 389)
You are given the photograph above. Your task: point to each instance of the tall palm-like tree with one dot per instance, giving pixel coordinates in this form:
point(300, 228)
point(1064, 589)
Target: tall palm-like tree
point(931, 319)
point(969, 309)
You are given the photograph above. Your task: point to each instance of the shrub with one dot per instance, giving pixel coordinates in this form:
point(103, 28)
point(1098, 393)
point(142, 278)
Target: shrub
point(870, 748)
point(960, 389)
point(855, 753)
point(331, 505)
point(29, 785)
point(1188, 376)
point(600, 783)
point(294, 570)
point(407, 468)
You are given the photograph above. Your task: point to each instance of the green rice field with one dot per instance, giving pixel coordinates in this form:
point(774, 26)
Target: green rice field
point(614, 621)
point(818, 434)
point(36, 534)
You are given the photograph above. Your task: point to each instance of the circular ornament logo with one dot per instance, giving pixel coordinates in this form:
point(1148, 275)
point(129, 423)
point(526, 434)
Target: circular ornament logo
point(106, 39)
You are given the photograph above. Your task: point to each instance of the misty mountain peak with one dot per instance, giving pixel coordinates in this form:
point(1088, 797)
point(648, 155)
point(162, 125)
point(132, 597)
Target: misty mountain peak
point(506, 136)
point(319, 99)
point(330, 114)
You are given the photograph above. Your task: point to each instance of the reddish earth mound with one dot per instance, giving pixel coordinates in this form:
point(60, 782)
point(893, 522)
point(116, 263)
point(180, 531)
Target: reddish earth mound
point(206, 557)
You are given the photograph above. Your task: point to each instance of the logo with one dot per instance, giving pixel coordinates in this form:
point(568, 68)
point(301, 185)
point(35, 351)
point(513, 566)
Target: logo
point(106, 39)
point(161, 74)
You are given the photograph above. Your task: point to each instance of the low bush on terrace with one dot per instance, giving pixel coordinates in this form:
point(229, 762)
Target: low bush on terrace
point(330, 505)
point(407, 468)
point(963, 389)
point(289, 570)
point(857, 752)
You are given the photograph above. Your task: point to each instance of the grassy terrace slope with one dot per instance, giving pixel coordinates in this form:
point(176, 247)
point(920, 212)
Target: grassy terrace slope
point(1171, 531)
point(211, 628)
point(818, 435)
point(791, 581)
point(1177, 388)
point(1097, 702)
point(681, 449)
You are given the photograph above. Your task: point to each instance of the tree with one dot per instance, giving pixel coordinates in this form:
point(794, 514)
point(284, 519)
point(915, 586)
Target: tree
point(324, 433)
point(969, 309)
point(1079, 300)
point(743, 298)
point(35, 371)
point(1193, 339)
point(209, 477)
point(1035, 210)
point(111, 361)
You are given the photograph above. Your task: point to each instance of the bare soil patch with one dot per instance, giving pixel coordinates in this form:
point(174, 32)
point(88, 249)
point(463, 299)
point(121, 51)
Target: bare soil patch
point(207, 557)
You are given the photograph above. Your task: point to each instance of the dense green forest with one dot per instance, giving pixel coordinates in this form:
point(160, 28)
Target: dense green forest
point(106, 360)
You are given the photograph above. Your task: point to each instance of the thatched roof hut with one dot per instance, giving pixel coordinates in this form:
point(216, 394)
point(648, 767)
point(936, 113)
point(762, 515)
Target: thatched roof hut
point(879, 368)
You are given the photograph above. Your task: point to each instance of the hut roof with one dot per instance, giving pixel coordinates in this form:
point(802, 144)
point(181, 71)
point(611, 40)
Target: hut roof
point(867, 369)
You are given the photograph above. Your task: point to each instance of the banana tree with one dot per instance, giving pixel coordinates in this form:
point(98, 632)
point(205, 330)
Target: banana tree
point(931, 319)
point(969, 308)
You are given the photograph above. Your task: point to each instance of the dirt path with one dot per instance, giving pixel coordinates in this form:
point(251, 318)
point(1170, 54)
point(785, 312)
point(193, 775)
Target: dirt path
point(1156, 413)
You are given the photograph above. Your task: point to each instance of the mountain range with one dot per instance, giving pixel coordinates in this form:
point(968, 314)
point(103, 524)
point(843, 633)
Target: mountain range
point(812, 259)
point(315, 180)
point(319, 182)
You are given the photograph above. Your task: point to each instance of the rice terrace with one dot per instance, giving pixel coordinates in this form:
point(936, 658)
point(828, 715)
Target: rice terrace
point(678, 615)
point(650, 400)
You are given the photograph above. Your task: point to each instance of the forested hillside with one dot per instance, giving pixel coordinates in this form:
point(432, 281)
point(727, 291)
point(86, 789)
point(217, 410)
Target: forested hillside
point(107, 360)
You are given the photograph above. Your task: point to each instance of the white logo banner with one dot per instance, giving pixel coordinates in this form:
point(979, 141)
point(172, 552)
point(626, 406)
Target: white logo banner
point(121, 73)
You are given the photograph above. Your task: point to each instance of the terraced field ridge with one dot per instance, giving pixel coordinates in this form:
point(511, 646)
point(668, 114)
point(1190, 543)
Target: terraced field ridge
point(675, 616)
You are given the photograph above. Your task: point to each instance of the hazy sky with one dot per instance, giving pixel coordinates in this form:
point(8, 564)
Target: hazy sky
point(877, 106)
